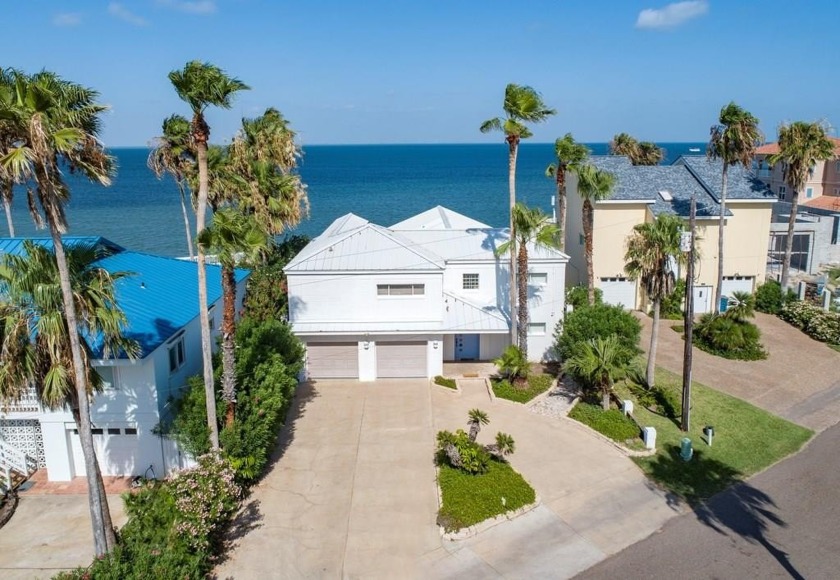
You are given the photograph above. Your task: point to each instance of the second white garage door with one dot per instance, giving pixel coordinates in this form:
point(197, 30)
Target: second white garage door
point(333, 360)
point(401, 359)
point(619, 291)
point(737, 284)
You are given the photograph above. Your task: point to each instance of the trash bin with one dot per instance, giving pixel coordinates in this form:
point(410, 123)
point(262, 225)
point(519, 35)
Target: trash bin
point(686, 450)
point(724, 304)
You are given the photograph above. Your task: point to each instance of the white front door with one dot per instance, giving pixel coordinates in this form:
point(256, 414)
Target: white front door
point(618, 292)
point(703, 299)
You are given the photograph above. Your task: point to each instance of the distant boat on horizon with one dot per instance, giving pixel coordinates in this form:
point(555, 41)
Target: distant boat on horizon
point(695, 150)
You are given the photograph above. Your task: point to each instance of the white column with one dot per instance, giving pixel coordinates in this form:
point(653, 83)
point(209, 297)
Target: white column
point(58, 452)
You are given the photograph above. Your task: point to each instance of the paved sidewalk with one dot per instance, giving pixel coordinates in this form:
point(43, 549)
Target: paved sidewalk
point(799, 381)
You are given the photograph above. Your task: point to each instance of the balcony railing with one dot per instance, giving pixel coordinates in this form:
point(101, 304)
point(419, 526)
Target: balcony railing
point(28, 403)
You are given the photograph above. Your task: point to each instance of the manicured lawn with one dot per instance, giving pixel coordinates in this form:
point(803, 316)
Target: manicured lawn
point(613, 423)
point(835, 347)
point(446, 382)
point(536, 384)
point(470, 499)
point(747, 440)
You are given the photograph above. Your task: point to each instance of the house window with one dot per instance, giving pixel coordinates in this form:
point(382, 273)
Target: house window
point(113, 430)
point(130, 430)
point(107, 375)
point(211, 314)
point(400, 289)
point(581, 240)
point(837, 166)
point(536, 328)
point(469, 282)
point(782, 191)
point(537, 278)
point(809, 192)
point(176, 355)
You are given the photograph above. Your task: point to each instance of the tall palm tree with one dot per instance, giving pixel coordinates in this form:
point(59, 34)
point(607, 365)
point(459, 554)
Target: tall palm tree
point(532, 227)
point(801, 146)
point(233, 237)
point(600, 362)
point(733, 141)
point(55, 124)
point(649, 154)
point(594, 185)
point(624, 144)
point(7, 182)
point(639, 153)
point(173, 155)
point(522, 105)
point(570, 154)
point(202, 85)
point(650, 251)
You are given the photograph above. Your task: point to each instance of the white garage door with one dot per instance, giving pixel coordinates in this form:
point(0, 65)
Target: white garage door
point(333, 360)
point(738, 284)
point(400, 359)
point(619, 292)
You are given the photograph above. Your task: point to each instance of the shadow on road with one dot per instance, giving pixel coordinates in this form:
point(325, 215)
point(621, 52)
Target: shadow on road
point(742, 510)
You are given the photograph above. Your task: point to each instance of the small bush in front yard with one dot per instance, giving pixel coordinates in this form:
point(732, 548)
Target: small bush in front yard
point(770, 299)
point(446, 382)
point(578, 296)
point(536, 384)
point(599, 321)
point(729, 337)
point(469, 499)
point(613, 423)
point(813, 320)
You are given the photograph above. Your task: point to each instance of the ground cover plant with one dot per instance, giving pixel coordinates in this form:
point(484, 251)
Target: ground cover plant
point(747, 440)
point(476, 482)
point(817, 323)
point(535, 385)
point(611, 423)
point(446, 382)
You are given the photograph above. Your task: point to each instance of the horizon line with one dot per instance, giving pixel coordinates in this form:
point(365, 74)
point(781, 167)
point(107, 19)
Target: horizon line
point(432, 144)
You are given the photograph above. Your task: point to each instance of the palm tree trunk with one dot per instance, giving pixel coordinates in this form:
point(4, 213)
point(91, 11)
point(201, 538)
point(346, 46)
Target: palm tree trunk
point(523, 299)
point(721, 227)
point(7, 207)
point(654, 339)
point(605, 397)
point(587, 239)
point(206, 350)
point(228, 354)
point(103, 537)
point(794, 206)
point(186, 220)
point(561, 204)
point(512, 152)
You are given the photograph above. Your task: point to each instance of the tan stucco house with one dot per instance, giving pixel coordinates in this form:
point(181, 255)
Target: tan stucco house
point(823, 181)
point(642, 193)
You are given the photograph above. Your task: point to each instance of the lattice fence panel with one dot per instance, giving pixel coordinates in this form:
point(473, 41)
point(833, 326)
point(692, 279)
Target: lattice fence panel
point(25, 435)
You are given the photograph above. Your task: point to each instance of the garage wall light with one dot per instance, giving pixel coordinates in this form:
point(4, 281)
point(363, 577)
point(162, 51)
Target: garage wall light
point(367, 345)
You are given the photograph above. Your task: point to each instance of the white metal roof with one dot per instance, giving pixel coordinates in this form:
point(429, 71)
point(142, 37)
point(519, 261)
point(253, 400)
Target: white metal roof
point(439, 218)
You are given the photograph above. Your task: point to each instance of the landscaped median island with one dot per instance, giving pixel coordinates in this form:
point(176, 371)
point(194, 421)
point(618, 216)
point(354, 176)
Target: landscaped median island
point(516, 381)
point(746, 440)
point(446, 382)
point(476, 481)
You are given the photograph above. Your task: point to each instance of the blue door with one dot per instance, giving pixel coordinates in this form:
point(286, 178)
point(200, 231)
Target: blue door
point(466, 347)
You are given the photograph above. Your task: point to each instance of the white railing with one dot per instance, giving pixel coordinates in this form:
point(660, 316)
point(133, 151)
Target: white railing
point(11, 459)
point(28, 403)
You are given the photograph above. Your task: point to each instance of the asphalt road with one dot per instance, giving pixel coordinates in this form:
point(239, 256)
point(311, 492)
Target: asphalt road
point(783, 523)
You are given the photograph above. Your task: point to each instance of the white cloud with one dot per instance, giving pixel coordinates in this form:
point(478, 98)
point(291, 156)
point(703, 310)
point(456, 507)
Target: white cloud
point(117, 10)
point(191, 6)
point(67, 19)
point(672, 15)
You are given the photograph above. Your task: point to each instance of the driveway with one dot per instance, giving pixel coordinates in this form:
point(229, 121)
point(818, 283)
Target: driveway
point(352, 493)
point(50, 533)
point(799, 380)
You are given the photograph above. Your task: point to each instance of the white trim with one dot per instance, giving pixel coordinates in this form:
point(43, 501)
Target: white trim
point(625, 201)
point(736, 200)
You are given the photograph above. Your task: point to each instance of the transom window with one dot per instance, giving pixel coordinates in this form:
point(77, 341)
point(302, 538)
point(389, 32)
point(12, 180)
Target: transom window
point(537, 278)
point(470, 282)
point(400, 289)
point(177, 355)
point(536, 328)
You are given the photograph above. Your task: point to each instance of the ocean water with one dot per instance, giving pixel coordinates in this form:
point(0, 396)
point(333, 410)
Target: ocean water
point(382, 183)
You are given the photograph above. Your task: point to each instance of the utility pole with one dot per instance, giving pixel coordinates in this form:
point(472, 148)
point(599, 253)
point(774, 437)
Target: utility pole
point(689, 321)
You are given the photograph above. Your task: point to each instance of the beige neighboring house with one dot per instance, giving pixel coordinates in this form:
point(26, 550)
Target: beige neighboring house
point(642, 193)
point(824, 181)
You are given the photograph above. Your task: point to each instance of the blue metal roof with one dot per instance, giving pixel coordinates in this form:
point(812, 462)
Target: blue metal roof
point(15, 245)
point(688, 175)
point(158, 299)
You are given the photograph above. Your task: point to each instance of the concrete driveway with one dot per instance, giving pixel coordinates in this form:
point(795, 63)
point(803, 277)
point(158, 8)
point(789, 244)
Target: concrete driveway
point(353, 494)
point(799, 380)
point(50, 533)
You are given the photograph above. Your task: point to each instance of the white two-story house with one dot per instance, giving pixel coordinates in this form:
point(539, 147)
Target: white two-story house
point(374, 302)
point(160, 301)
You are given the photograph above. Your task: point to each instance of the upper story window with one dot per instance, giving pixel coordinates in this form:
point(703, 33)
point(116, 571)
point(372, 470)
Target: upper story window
point(469, 282)
point(837, 166)
point(809, 192)
point(536, 328)
point(400, 289)
point(108, 375)
point(537, 278)
point(177, 354)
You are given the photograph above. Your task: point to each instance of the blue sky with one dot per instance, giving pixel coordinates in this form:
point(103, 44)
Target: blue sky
point(394, 71)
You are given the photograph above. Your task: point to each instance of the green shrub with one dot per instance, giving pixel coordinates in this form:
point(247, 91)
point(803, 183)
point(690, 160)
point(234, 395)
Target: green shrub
point(817, 323)
point(661, 399)
point(613, 423)
point(770, 299)
point(599, 321)
point(446, 382)
point(578, 296)
point(729, 337)
point(512, 364)
point(266, 297)
point(473, 457)
point(672, 305)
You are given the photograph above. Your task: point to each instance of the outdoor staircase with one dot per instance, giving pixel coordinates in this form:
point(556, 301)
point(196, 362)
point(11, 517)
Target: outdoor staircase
point(15, 467)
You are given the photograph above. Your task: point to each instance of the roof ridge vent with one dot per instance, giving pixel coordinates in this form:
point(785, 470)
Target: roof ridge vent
point(666, 195)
